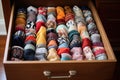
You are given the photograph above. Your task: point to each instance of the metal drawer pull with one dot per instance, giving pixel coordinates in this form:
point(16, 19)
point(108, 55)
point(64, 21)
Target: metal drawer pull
point(48, 74)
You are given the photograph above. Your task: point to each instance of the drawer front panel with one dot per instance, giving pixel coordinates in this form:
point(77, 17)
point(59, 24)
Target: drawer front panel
point(85, 71)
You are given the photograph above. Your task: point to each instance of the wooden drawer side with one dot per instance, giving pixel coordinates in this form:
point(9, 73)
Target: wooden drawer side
point(9, 35)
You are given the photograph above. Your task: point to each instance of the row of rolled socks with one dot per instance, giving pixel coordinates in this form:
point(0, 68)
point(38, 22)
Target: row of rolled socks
point(56, 33)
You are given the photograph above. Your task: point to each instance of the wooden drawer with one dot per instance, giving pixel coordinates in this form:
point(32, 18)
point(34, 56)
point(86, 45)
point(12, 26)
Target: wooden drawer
point(85, 70)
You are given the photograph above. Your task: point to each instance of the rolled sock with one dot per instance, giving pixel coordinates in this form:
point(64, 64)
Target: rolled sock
point(41, 36)
point(30, 42)
point(31, 29)
point(89, 19)
point(72, 45)
point(42, 10)
point(20, 27)
point(51, 10)
point(91, 26)
point(101, 57)
point(30, 25)
point(52, 55)
point(98, 50)
point(41, 40)
point(100, 44)
point(29, 54)
point(72, 33)
point(69, 14)
point(87, 13)
point(21, 10)
point(84, 35)
point(41, 45)
point(77, 53)
point(79, 19)
point(42, 31)
point(41, 18)
point(63, 40)
point(51, 21)
point(40, 51)
point(18, 38)
point(77, 11)
point(53, 46)
point(30, 37)
point(29, 46)
point(20, 20)
point(51, 36)
point(65, 56)
point(60, 12)
point(100, 53)
point(40, 57)
point(76, 37)
point(60, 21)
point(31, 8)
point(52, 43)
point(86, 42)
point(88, 53)
point(75, 41)
point(62, 30)
point(51, 30)
point(17, 52)
point(92, 29)
point(31, 32)
point(21, 15)
point(18, 41)
point(63, 45)
point(38, 25)
point(63, 50)
point(51, 24)
point(68, 9)
point(81, 27)
point(78, 15)
point(71, 25)
point(31, 16)
point(20, 33)
point(95, 38)
point(75, 44)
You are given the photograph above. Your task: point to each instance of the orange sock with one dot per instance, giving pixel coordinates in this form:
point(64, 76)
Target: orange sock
point(52, 43)
point(60, 13)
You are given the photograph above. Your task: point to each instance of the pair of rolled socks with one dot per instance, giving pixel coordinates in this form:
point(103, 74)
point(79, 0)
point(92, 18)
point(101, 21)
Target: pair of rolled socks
point(17, 53)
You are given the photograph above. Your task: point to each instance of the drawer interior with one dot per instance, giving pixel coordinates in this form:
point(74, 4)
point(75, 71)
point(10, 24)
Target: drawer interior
point(36, 3)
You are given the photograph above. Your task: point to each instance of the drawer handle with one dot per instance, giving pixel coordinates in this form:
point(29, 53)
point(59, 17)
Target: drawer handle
point(48, 74)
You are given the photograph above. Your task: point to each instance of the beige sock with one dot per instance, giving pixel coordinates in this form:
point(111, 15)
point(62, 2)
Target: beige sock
point(52, 55)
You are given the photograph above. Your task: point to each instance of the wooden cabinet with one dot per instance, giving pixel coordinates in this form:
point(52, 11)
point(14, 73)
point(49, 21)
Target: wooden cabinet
point(85, 70)
point(109, 12)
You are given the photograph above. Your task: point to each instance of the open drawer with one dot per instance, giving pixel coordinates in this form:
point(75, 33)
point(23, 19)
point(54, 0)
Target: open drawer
point(83, 70)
